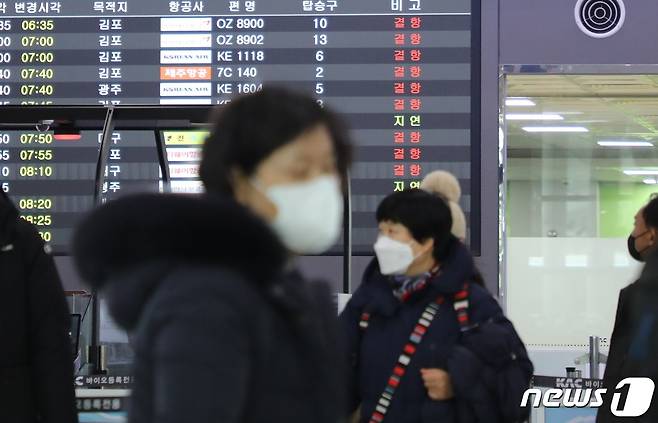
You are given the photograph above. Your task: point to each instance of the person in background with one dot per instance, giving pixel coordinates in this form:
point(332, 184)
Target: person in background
point(445, 185)
point(224, 328)
point(634, 341)
point(36, 361)
point(425, 344)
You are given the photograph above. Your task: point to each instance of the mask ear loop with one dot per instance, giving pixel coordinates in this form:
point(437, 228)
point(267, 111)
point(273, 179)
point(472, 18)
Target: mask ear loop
point(653, 240)
point(419, 255)
point(436, 268)
point(640, 236)
point(257, 184)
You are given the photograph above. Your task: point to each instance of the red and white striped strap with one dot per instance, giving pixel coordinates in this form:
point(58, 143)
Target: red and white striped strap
point(460, 304)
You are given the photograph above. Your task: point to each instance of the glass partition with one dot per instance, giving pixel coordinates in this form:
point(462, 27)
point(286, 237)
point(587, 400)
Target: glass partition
point(581, 159)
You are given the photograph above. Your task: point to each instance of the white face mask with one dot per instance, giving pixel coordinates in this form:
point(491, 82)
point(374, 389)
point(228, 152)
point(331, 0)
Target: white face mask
point(394, 257)
point(309, 214)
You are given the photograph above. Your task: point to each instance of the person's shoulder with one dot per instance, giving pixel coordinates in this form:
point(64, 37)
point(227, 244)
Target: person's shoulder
point(26, 238)
point(198, 284)
point(319, 290)
point(478, 292)
point(213, 279)
point(627, 290)
point(632, 289)
point(26, 232)
point(372, 284)
point(482, 301)
point(202, 300)
point(642, 290)
point(372, 276)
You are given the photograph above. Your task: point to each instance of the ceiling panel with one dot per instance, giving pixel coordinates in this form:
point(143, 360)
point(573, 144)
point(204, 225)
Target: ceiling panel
point(611, 107)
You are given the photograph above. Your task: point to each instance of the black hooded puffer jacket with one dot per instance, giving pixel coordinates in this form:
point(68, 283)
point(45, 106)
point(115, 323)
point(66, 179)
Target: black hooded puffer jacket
point(36, 360)
point(222, 332)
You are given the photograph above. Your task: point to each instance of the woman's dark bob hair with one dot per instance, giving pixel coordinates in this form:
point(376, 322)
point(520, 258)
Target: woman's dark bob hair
point(250, 128)
point(425, 215)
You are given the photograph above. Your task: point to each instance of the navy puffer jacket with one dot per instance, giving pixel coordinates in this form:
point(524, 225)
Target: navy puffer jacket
point(488, 366)
point(223, 329)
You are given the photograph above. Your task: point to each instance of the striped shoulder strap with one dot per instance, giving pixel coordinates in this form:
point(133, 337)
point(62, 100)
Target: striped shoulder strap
point(461, 303)
point(364, 321)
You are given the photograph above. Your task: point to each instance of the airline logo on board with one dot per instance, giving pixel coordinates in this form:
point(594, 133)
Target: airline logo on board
point(187, 187)
point(185, 73)
point(187, 171)
point(185, 57)
point(184, 154)
point(185, 40)
point(185, 24)
point(185, 101)
point(191, 89)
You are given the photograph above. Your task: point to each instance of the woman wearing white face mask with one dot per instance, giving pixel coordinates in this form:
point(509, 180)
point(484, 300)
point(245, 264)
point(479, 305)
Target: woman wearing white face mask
point(225, 330)
point(425, 343)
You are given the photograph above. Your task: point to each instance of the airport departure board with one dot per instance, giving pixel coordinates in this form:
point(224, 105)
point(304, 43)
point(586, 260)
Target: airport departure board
point(403, 73)
point(52, 179)
point(51, 182)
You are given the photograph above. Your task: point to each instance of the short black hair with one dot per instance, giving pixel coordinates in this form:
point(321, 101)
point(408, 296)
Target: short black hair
point(252, 127)
point(424, 214)
point(650, 212)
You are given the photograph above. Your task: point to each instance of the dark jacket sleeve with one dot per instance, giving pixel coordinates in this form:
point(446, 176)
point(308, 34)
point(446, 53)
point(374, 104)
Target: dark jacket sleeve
point(349, 321)
point(208, 337)
point(464, 365)
point(50, 344)
point(490, 368)
point(618, 347)
point(618, 340)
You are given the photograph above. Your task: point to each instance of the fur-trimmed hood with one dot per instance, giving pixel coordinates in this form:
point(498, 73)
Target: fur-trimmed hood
point(127, 247)
point(133, 231)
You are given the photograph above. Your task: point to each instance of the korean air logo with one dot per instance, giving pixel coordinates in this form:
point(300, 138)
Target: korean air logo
point(631, 398)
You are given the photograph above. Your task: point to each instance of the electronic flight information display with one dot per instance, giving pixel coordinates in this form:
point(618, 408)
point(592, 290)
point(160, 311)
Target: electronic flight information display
point(403, 73)
point(52, 180)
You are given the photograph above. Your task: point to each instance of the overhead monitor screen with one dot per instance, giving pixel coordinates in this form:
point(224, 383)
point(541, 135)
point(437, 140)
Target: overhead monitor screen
point(51, 181)
point(403, 73)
